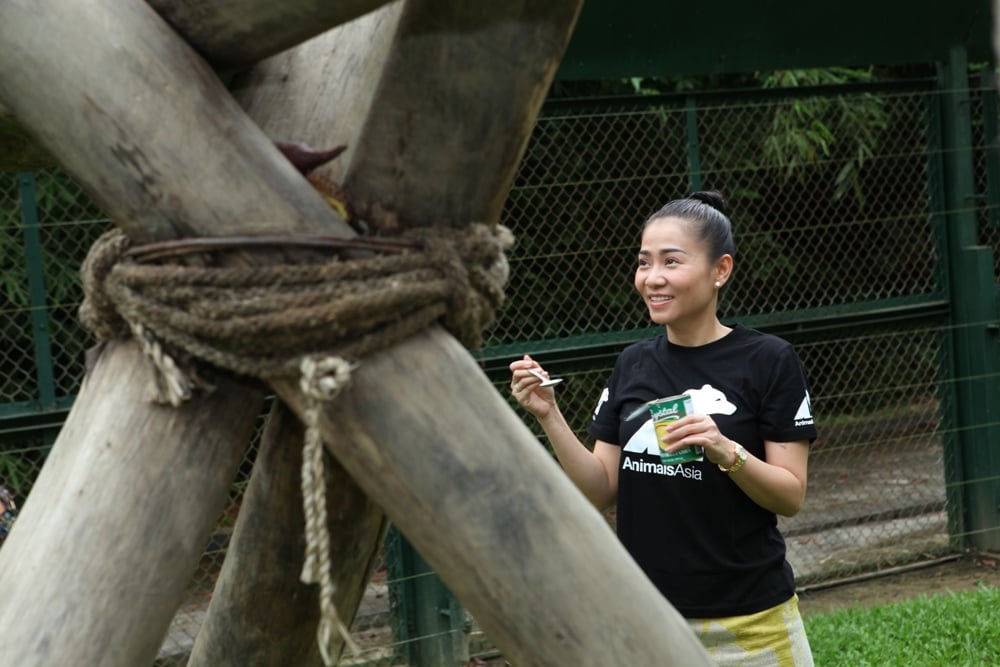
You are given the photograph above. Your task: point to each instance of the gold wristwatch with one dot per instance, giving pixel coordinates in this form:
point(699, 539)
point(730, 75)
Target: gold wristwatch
point(741, 459)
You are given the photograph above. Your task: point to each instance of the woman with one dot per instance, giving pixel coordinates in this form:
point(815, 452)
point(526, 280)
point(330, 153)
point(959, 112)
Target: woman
point(704, 531)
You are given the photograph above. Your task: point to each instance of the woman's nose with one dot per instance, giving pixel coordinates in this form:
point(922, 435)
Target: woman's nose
point(655, 278)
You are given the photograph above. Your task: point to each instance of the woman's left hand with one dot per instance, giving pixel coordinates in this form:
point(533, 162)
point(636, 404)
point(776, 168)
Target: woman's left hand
point(700, 431)
point(776, 482)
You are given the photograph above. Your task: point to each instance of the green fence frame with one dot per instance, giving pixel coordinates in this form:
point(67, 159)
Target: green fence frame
point(974, 317)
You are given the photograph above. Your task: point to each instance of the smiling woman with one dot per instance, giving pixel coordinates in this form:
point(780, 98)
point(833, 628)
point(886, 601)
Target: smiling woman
point(682, 266)
point(704, 531)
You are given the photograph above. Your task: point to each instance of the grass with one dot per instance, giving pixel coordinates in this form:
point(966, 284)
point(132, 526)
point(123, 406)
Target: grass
point(946, 630)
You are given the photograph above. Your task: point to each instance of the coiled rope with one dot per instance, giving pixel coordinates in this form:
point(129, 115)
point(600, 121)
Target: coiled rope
point(312, 321)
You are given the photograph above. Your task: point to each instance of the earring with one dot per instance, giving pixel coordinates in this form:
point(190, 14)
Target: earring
point(717, 284)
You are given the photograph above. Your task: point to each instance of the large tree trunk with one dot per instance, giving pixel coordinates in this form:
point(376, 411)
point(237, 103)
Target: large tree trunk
point(320, 92)
point(455, 106)
point(451, 464)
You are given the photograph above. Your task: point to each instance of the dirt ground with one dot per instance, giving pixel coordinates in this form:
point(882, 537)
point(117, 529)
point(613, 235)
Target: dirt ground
point(964, 573)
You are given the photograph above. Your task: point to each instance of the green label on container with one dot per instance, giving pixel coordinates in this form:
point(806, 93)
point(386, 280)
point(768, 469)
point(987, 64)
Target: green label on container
point(670, 409)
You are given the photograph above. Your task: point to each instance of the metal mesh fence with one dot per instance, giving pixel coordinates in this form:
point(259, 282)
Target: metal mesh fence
point(834, 214)
point(589, 179)
point(821, 225)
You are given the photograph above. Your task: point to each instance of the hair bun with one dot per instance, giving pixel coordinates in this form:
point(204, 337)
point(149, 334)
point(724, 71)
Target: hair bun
point(711, 197)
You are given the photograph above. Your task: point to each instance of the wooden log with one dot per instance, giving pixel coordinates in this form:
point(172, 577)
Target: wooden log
point(116, 112)
point(230, 35)
point(235, 34)
point(261, 614)
point(485, 504)
point(143, 222)
point(283, 95)
point(320, 92)
point(455, 106)
point(96, 543)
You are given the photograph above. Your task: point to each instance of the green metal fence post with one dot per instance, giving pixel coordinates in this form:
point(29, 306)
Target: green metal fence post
point(972, 288)
point(693, 146)
point(947, 367)
point(991, 142)
point(981, 342)
point(36, 293)
point(429, 618)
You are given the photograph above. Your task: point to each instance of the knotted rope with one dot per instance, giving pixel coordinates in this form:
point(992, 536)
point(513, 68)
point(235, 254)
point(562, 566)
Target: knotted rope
point(321, 381)
point(313, 321)
point(259, 321)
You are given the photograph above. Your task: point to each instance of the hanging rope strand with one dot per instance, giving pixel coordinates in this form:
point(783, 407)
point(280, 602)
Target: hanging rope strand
point(322, 379)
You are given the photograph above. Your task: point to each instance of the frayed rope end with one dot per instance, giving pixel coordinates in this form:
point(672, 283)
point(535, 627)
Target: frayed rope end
point(321, 380)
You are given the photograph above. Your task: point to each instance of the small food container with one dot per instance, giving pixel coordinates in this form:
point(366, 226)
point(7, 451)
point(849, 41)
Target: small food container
point(667, 410)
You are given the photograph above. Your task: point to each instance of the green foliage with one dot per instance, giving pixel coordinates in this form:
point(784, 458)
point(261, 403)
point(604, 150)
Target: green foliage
point(61, 208)
point(66, 222)
point(803, 132)
point(947, 630)
point(13, 269)
point(19, 465)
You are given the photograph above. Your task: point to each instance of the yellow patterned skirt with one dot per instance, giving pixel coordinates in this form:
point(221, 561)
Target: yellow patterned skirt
point(774, 637)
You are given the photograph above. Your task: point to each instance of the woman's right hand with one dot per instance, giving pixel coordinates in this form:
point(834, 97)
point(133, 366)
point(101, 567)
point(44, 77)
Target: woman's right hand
point(527, 389)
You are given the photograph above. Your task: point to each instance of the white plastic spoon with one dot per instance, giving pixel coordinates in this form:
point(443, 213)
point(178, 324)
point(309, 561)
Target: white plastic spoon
point(546, 382)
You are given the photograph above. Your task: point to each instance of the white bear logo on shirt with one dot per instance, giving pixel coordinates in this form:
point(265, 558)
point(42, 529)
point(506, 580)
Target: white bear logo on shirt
point(710, 401)
point(705, 401)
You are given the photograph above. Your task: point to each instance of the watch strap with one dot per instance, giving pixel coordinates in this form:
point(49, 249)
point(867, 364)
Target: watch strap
point(741, 459)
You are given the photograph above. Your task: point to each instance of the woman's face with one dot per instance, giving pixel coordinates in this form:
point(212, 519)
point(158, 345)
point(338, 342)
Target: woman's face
point(675, 275)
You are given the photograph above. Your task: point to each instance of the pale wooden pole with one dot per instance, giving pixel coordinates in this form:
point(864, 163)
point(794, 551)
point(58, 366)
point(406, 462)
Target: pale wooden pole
point(235, 34)
point(145, 125)
point(456, 104)
point(231, 35)
point(492, 513)
point(97, 562)
point(320, 92)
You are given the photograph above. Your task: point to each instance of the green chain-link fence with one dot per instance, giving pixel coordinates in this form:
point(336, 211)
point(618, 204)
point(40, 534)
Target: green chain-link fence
point(835, 196)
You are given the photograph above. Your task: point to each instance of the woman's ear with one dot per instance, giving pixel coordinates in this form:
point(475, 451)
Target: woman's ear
point(724, 268)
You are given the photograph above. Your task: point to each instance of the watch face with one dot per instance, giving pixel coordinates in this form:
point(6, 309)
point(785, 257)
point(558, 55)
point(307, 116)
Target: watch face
point(741, 458)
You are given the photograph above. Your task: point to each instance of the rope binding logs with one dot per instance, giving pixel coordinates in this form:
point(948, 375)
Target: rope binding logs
point(311, 320)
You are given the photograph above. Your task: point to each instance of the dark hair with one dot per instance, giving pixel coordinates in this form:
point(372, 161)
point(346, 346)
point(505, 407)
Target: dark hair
point(706, 211)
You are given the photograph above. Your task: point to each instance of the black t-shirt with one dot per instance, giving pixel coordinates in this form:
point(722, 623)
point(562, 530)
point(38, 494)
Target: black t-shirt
point(710, 550)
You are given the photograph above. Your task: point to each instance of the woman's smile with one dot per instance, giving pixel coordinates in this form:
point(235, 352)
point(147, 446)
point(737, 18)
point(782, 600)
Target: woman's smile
point(659, 301)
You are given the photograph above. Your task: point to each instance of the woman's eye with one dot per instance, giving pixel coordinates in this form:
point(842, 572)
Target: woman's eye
point(643, 263)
